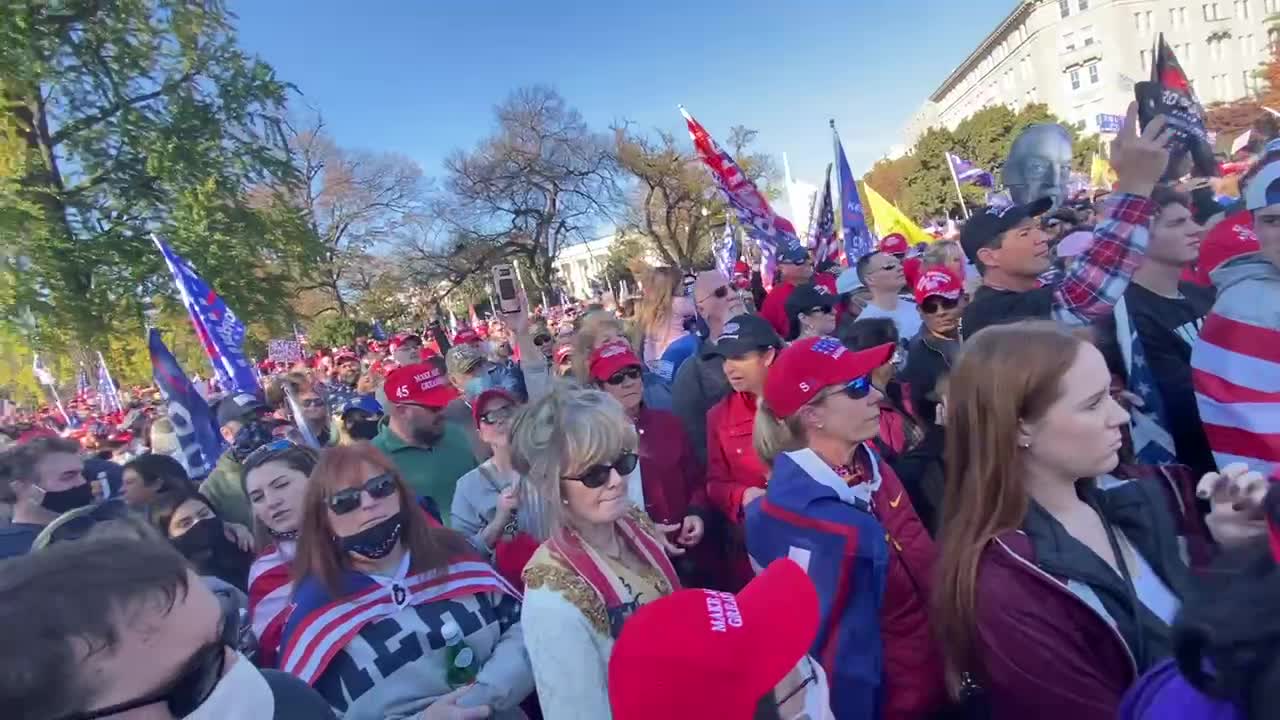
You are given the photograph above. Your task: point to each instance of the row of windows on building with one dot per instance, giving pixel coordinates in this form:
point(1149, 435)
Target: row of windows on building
point(1210, 11)
point(1065, 6)
point(1218, 47)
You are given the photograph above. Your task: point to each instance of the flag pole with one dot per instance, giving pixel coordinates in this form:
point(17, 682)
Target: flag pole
point(106, 371)
point(951, 166)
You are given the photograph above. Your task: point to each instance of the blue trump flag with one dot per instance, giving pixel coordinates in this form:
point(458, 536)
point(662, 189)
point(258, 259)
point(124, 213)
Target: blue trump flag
point(190, 414)
point(853, 222)
point(220, 331)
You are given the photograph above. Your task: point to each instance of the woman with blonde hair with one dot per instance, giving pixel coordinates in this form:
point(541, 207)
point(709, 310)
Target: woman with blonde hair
point(1058, 576)
point(832, 502)
point(658, 333)
point(391, 614)
point(596, 329)
point(602, 558)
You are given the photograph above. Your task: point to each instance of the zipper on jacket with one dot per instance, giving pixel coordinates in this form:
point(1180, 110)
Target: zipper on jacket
point(1133, 663)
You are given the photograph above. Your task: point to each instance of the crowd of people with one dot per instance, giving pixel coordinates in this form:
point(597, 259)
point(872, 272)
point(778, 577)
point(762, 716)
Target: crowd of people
point(1014, 475)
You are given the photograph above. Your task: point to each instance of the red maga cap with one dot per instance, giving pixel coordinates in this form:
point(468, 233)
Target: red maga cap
point(938, 281)
point(807, 366)
point(611, 357)
point(419, 384)
point(710, 654)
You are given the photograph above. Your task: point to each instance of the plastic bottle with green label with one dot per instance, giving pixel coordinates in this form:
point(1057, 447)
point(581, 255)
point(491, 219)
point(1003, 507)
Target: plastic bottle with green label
point(460, 659)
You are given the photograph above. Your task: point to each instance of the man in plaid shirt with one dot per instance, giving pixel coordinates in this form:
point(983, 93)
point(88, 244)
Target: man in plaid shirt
point(1011, 251)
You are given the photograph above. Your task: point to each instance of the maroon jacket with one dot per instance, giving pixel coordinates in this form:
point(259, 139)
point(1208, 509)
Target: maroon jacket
point(1048, 653)
point(675, 483)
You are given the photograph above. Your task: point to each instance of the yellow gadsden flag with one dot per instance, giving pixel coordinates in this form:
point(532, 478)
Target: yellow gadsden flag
point(1101, 176)
point(889, 219)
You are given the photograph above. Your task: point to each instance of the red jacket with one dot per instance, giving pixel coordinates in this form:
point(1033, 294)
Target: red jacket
point(675, 484)
point(732, 462)
point(914, 686)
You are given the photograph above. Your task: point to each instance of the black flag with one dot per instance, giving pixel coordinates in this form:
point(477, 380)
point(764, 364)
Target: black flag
point(1169, 93)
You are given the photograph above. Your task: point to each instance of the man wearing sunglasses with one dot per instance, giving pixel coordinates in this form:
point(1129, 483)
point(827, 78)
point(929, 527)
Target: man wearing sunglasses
point(150, 641)
point(700, 383)
point(882, 274)
point(940, 296)
point(430, 453)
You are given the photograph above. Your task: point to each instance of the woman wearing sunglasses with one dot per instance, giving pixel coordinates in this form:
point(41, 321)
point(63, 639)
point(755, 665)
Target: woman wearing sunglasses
point(275, 478)
point(599, 327)
point(670, 483)
point(487, 501)
point(215, 548)
point(603, 558)
point(379, 590)
point(834, 506)
point(810, 312)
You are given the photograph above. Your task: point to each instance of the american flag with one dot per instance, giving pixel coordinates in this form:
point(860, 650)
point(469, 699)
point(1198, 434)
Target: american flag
point(108, 398)
point(769, 229)
point(858, 238)
point(725, 250)
point(82, 384)
point(823, 238)
point(967, 172)
point(1152, 443)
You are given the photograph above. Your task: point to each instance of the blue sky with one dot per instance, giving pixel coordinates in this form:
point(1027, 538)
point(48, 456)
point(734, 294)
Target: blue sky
point(421, 77)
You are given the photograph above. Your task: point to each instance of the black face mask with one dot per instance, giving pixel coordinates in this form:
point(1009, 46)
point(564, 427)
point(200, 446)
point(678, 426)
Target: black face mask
point(376, 541)
point(362, 429)
point(206, 545)
point(60, 501)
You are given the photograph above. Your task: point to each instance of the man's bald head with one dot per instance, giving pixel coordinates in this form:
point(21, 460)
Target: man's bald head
point(716, 298)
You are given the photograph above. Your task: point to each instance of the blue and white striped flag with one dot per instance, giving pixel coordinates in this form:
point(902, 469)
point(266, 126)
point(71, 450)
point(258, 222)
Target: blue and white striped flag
point(82, 384)
point(967, 172)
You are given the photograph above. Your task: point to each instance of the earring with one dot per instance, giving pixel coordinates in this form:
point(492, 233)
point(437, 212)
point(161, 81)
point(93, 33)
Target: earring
point(1024, 445)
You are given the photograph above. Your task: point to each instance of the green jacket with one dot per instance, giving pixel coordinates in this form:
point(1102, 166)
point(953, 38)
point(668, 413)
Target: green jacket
point(225, 491)
point(431, 472)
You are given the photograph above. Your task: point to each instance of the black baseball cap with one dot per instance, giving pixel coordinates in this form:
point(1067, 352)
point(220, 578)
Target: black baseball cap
point(982, 230)
point(808, 296)
point(743, 334)
point(793, 255)
point(238, 407)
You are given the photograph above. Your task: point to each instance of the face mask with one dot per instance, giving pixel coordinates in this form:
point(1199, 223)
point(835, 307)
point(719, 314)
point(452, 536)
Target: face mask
point(477, 385)
point(242, 692)
point(363, 429)
point(205, 544)
point(374, 542)
point(60, 501)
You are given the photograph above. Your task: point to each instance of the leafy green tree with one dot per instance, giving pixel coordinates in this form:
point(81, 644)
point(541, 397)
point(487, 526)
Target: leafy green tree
point(136, 117)
point(336, 330)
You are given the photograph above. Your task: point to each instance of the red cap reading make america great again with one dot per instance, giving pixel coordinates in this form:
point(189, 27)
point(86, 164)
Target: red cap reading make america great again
point(710, 654)
point(419, 384)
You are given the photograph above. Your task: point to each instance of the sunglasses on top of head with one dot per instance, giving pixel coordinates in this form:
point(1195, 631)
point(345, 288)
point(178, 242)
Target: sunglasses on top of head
point(597, 476)
point(623, 375)
point(348, 499)
point(932, 305)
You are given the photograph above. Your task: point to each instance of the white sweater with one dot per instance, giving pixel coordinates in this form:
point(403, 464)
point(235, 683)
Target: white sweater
point(570, 657)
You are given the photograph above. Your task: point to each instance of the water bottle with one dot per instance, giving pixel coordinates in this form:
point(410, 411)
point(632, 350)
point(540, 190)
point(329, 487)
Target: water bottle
point(460, 659)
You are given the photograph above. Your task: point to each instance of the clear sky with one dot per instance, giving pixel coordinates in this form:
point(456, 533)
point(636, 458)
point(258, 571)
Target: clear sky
point(420, 77)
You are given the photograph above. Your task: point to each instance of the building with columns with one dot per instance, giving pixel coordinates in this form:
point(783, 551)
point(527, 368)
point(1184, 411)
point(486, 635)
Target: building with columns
point(1082, 57)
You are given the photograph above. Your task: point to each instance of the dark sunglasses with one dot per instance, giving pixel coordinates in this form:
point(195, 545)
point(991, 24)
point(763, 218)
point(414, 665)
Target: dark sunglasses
point(193, 685)
point(824, 309)
point(493, 417)
point(858, 388)
point(631, 373)
point(933, 305)
point(348, 499)
point(719, 293)
point(597, 475)
point(541, 340)
point(313, 402)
